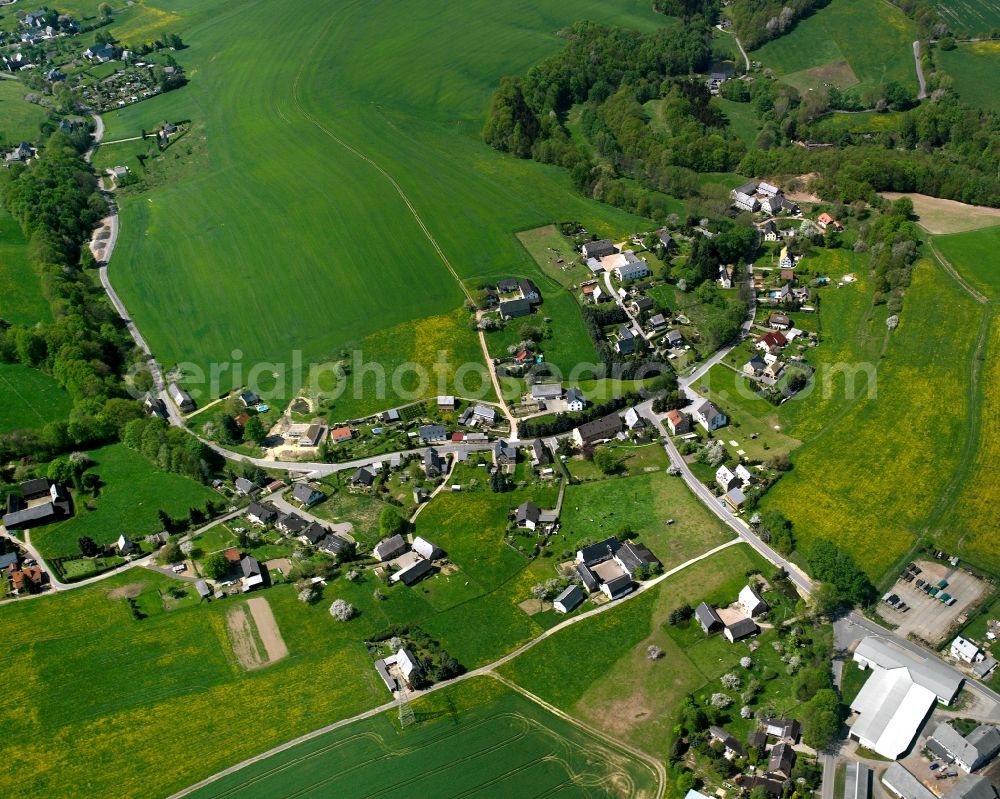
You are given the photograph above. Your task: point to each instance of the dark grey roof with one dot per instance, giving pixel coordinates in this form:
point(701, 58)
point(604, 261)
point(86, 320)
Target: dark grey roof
point(334, 544)
point(249, 565)
point(507, 285)
point(518, 307)
point(601, 551)
point(293, 523)
point(305, 493)
point(598, 249)
point(362, 477)
point(587, 576)
point(571, 597)
point(973, 787)
point(415, 571)
point(263, 511)
point(782, 759)
point(36, 487)
point(249, 398)
point(9, 559)
point(30, 517)
point(728, 740)
point(15, 502)
point(707, 617)
point(605, 427)
point(540, 451)
point(432, 432)
point(633, 556)
point(527, 512)
point(314, 533)
point(573, 394)
point(742, 628)
point(387, 547)
point(619, 583)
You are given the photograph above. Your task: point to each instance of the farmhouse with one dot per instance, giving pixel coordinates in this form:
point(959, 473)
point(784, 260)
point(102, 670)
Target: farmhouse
point(512, 309)
point(731, 747)
point(412, 569)
point(782, 759)
point(597, 553)
point(708, 618)
point(546, 391)
point(617, 587)
point(568, 600)
point(181, 398)
point(402, 664)
point(708, 416)
point(588, 578)
point(575, 400)
point(504, 454)
point(631, 267)
point(540, 455)
point(154, 406)
point(599, 249)
point(389, 548)
point(974, 787)
point(968, 753)
point(897, 697)
point(529, 291)
point(126, 546)
point(425, 548)
point(734, 498)
point(529, 516)
point(678, 422)
point(307, 495)
point(485, 414)
point(782, 729)
point(602, 429)
point(903, 784)
point(261, 513)
point(740, 629)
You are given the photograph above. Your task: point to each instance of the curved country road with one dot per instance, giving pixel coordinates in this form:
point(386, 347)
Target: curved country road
point(922, 94)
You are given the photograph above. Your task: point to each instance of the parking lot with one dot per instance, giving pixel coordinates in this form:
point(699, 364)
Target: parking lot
point(927, 617)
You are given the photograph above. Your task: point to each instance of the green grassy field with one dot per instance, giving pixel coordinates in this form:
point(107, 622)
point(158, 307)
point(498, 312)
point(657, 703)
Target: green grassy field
point(500, 743)
point(19, 120)
point(827, 48)
point(134, 489)
point(967, 525)
point(290, 239)
point(31, 399)
point(911, 446)
point(598, 670)
point(21, 300)
point(970, 16)
point(972, 67)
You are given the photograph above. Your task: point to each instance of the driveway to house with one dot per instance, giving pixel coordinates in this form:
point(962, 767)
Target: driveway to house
point(621, 304)
point(340, 528)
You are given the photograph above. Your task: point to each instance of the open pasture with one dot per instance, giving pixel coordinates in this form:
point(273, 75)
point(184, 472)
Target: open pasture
point(300, 234)
point(973, 67)
point(29, 399)
point(831, 47)
point(19, 119)
point(970, 16)
point(21, 299)
point(474, 739)
point(119, 506)
point(937, 215)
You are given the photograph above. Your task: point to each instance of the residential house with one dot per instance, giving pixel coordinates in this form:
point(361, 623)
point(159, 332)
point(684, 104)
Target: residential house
point(633, 419)
point(678, 422)
point(568, 600)
point(181, 398)
point(126, 546)
point(314, 435)
point(485, 414)
point(338, 435)
point(362, 478)
point(334, 545)
point(745, 197)
point(754, 367)
point(432, 433)
point(771, 231)
point(10, 561)
point(391, 416)
point(575, 400)
point(632, 268)
point(249, 399)
point(773, 370)
point(786, 261)
point(512, 309)
point(967, 752)
point(732, 748)
point(529, 291)
point(708, 618)
point(642, 305)
point(603, 429)
point(656, 322)
point(307, 495)
point(261, 514)
point(504, 454)
point(740, 629)
point(425, 548)
point(253, 575)
point(540, 455)
point(617, 587)
point(599, 249)
point(782, 760)
point(389, 548)
point(433, 465)
point(965, 650)
point(625, 341)
point(528, 516)
point(633, 558)
point(101, 53)
point(725, 479)
point(666, 240)
point(774, 204)
point(825, 220)
point(154, 406)
point(771, 342)
point(291, 524)
point(709, 417)
point(750, 602)
point(779, 321)
point(598, 553)
point(735, 499)
point(742, 472)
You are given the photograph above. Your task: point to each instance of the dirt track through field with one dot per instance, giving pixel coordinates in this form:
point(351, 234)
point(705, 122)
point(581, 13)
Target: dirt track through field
point(267, 628)
point(241, 638)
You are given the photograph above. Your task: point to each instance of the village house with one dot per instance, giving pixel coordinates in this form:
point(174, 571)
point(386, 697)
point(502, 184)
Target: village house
point(630, 267)
point(779, 321)
point(529, 291)
point(750, 602)
point(412, 569)
point(432, 433)
point(770, 231)
point(261, 514)
point(785, 260)
point(735, 499)
point(603, 429)
point(181, 398)
point(253, 575)
point(731, 747)
point(126, 546)
point(725, 479)
point(568, 600)
point(825, 220)
point(543, 392)
point(656, 322)
point(249, 399)
point(754, 367)
point(362, 478)
point(432, 463)
point(446, 402)
point(504, 454)
point(540, 455)
point(575, 400)
point(969, 752)
point(512, 309)
point(313, 533)
point(740, 629)
point(625, 341)
point(708, 416)
point(485, 414)
point(599, 249)
point(674, 338)
point(307, 495)
point(771, 342)
point(340, 435)
point(313, 435)
point(529, 516)
point(389, 548)
point(334, 545)
point(782, 759)
point(678, 422)
point(402, 663)
point(291, 524)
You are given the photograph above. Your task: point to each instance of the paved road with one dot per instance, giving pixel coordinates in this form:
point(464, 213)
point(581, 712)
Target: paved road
point(480, 672)
point(922, 94)
point(282, 504)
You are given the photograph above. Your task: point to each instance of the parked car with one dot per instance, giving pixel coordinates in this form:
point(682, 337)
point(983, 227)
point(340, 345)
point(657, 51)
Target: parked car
point(180, 567)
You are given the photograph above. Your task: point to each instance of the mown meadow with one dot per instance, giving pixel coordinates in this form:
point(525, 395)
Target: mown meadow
point(30, 399)
point(21, 299)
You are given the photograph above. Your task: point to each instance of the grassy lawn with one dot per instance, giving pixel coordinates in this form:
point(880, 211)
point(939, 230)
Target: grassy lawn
point(968, 524)
point(120, 506)
point(644, 503)
point(19, 119)
point(23, 302)
point(355, 269)
point(829, 47)
point(598, 670)
point(972, 67)
point(470, 736)
point(31, 398)
point(829, 493)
